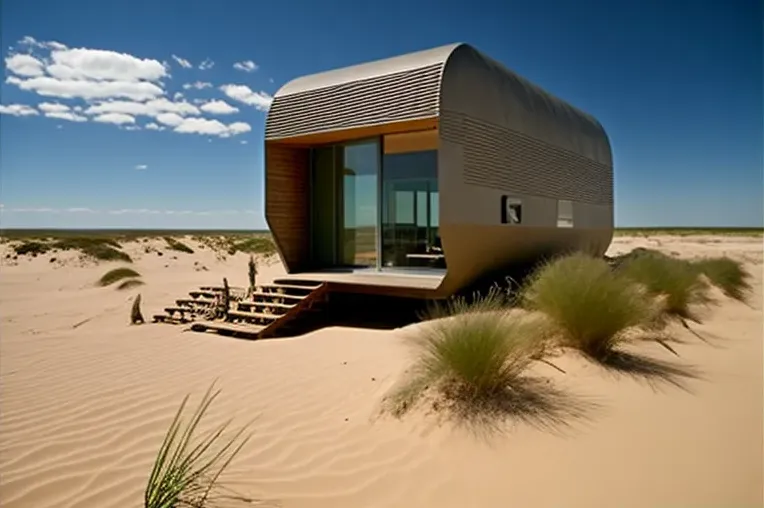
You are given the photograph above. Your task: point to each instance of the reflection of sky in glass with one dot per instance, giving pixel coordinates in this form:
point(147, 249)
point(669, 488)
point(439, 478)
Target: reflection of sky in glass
point(361, 166)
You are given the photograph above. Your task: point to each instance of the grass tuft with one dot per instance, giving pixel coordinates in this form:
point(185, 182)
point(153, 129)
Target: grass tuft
point(591, 307)
point(129, 284)
point(187, 469)
point(676, 280)
point(727, 274)
point(32, 248)
point(116, 275)
point(177, 245)
point(257, 245)
point(472, 364)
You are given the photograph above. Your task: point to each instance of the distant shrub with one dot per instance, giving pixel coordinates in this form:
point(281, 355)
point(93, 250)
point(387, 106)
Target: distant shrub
point(31, 248)
point(727, 274)
point(591, 307)
point(177, 245)
point(129, 284)
point(102, 249)
point(116, 275)
point(256, 245)
point(676, 280)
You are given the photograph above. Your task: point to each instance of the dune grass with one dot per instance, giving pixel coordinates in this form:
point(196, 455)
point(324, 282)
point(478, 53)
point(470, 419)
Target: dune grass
point(727, 274)
point(676, 280)
point(129, 284)
point(174, 244)
point(117, 275)
point(99, 248)
point(32, 248)
point(256, 245)
point(187, 469)
point(591, 308)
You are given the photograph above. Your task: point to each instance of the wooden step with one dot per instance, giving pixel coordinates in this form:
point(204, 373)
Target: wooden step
point(250, 304)
point(252, 315)
point(164, 318)
point(221, 288)
point(224, 328)
point(204, 294)
point(288, 286)
point(200, 302)
point(280, 295)
point(303, 283)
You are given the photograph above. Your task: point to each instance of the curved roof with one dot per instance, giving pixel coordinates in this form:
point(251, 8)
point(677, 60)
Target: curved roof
point(373, 69)
point(413, 86)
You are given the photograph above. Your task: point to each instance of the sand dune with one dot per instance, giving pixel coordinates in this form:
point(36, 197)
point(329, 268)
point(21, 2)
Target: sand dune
point(86, 400)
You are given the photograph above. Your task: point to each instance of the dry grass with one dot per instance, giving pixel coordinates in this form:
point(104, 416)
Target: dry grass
point(177, 245)
point(117, 275)
point(727, 274)
point(676, 280)
point(187, 469)
point(591, 308)
point(129, 284)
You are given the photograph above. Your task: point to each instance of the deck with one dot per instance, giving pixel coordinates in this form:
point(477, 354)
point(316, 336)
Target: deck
point(404, 283)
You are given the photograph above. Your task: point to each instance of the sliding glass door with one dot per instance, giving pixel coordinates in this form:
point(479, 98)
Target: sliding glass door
point(376, 206)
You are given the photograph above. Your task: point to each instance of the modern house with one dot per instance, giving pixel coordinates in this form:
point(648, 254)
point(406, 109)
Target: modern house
point(418, 174)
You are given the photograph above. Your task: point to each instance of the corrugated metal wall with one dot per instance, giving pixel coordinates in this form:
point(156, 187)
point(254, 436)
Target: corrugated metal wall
point(500, 158)
point(382, 99)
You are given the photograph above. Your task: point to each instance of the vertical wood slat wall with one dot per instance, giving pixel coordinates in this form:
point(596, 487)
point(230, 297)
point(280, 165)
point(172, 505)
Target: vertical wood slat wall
point(287, 187)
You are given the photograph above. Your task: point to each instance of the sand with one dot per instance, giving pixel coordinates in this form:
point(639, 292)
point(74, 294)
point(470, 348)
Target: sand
point(86, 400)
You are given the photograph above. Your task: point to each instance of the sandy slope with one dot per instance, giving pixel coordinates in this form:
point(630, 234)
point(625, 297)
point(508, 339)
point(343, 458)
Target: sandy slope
point(84, 409)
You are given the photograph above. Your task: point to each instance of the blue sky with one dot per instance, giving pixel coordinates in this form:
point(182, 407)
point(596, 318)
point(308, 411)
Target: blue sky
point(677, 85)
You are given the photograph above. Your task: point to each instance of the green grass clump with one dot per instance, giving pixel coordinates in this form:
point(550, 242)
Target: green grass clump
point(100, 248)
point(32, 248)
point(727, 274)
point(591, 307)
point(674, 279)
point(187, 469)
point(470, 362)
point(129, 284)
point(116, 275)
point(177, 245)
point(257, 245)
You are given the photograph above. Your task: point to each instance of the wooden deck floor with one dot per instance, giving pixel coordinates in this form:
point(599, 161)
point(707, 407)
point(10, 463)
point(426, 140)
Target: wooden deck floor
point(415, 284)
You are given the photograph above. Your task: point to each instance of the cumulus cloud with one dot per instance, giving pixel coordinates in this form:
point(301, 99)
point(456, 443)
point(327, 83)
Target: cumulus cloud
point(66, 115)
point(171, 119)
point(246, 66)
point(152, 108)
point(217, 107)
point(86, 89)
point(24, 65)
point(206, 64)
point(115, 118)
point(182, 62)
point(154, 127)
point(17, 110)
point(141, 166)
point(242, 93)
point(211, 127)
point(199, 85)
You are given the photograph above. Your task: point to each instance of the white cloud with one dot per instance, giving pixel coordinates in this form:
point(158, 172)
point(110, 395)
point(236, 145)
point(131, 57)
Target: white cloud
point(53, 107)
point(115, 118)
point(171, 119)
point(182, 62)
point(153, 108)
point(79, 210)
point(131, 127)
point(246, 66)
point(24, 65)
point(89, 90)
point(242, 93)
point(206, 64)
point(99, 64)
point(199, 85)
point(217, 107)
point(141, 166)
point(211, 127)
point(31, 41)
point(66, 115)
point(244, 141)
point(154, 127)
point(17, 110)
point(177, 96)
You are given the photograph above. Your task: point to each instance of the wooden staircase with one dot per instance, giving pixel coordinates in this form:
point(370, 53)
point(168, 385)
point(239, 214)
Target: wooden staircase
point(272, 308)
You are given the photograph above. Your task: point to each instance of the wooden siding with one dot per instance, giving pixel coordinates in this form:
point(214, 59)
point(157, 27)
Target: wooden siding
point(287, 191)
point(338, 136)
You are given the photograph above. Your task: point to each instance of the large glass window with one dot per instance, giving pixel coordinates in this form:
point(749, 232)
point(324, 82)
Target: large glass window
point(360, 189)
point(410, 235)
